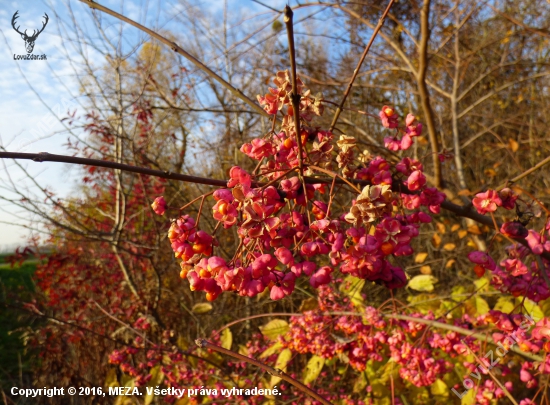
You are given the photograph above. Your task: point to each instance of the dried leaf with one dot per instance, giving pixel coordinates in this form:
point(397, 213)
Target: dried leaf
point(514, 145)
point(474, 229)
point(462, 233)
point(450, 263)
point(455, 228)
point(440, 227)
point(426, 270)
point(449, 246)
point(420, 257)
point(436, 240)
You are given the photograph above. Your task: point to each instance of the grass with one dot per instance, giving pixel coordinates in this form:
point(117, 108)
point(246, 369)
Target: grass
point(15, 284)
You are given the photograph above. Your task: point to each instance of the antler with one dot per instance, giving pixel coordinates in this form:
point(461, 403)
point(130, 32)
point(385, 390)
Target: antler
point(43, 24)
point(15, 16)
point(34, 33)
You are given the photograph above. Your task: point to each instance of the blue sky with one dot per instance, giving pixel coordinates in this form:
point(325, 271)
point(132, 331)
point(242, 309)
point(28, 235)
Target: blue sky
point(34, 95)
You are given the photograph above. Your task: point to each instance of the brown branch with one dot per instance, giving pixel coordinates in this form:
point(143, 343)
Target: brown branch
point(176, 48)
point(423, 90)
point(50, 157)
point(461, 211)
point(295, 97)
point(273, 371)
point(358, 67)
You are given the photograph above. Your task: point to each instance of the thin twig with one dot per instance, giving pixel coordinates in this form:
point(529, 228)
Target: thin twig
point(273, 371)
point(176, 48)
point(358, 67)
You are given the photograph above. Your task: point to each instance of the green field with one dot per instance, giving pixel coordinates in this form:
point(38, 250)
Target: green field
point(16, 284)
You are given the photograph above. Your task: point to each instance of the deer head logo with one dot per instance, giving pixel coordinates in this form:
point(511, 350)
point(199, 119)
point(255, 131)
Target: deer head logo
point(29, 39)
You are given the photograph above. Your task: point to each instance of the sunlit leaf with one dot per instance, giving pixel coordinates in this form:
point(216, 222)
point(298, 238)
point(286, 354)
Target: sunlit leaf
point(352, 287)
point(156, 379)
point(226, 339)
point(313, 368)
point(274, 329)
point(274, 348)
point(281, 363)
point(422, 283)
point(439, 388)
point(504, 304)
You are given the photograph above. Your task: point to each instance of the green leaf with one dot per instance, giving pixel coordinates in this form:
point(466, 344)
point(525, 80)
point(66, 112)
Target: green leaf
point(156, 379)
point(313, 368)
point(423, 282)
point(274, 329)
point(274, 348)
point(281, 363)
point(439, 388)
point(226, 339)
point(352, 287)
point(202, 308)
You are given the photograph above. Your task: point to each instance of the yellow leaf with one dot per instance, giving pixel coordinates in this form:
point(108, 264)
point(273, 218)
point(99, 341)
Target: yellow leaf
point(439, 388)
point(420, 257)
point(481, 306)
point(281, 363)
point(462, 233)
point(352, 287)
point(274, 348)
point(532, 308)
point(156, 379)
point(226, 339)
point(313, 368)
point(440, 227)
point(309, 305)
point(469, 398)
point(273, 329)
point(111, 379)
point(449, 246)
point(450, 263)
point(202, 308)
point(126, 381)
point(422, 282)
point(504, 304)
point(436, 239)
point(182, 344)
point(426, 270)
point(514, 145)
point(455, 228)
